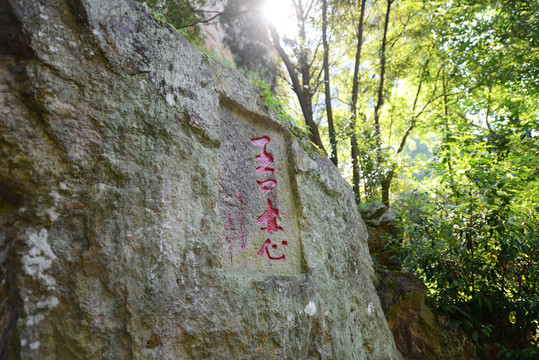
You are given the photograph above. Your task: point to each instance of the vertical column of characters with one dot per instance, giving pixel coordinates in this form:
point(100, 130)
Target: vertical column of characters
point(269, 217)
point(242, 234)
point(234, 232)
point(230, 234)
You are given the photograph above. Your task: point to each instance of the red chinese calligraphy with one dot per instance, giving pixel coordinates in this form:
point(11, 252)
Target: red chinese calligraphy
point(230, 254)
point(269, 217)
point(229, 224)
point(229, 239)
point(264, 159)
point(234, 232)
point(265, 249)
point(267, 185)
point(240, 215)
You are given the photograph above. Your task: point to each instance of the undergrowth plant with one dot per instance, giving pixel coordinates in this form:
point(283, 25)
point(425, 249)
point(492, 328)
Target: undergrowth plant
point(278, 107)
point(471, 233)
point(274, 103)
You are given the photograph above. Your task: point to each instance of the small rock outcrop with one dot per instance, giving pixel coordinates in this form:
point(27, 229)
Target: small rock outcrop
point(151, 207)
point(384, 233)
point(419, 333)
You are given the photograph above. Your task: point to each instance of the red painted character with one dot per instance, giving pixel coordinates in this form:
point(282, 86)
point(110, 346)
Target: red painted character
point(264, 159)
point(229, 224)
point(265, 249)
point(240, 215)
point(230, 254)
point(267, 185)
point(269, 217)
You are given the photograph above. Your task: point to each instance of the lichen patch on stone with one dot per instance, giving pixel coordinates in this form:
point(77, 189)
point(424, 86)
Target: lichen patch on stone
point(39, 257)
point(310, 309)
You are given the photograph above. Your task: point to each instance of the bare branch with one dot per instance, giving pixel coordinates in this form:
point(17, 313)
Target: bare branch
point(206, 21)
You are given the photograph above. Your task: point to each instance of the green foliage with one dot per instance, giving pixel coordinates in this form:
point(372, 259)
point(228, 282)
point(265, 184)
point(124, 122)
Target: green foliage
point(182, 15)
point(472, 225)
point(298, 130)
point(497, 40)
point(275, 104)
point(472, 234)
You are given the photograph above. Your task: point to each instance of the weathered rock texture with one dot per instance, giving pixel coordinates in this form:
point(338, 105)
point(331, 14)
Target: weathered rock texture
point(384, 234)
point(129, 204)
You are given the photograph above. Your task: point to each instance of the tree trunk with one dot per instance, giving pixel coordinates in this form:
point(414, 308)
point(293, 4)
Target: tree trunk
point(355, 166)
point(447, 141)
point(327, 87)
point(304, 101)
point(380, 98)
point(353, 107)
point(386, 184)
point(385, 180)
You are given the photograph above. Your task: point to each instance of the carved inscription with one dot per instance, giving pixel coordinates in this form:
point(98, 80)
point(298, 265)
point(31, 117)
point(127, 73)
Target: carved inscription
point(257, 209)
point(269, 217)
point(234, 231)
point(264, 159)
point(267, 185)
point(264, 248)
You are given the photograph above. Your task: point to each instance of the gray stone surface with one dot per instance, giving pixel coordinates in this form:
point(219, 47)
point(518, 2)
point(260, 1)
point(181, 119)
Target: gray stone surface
point(384, 233)
point(372, 211)
point(129, 204)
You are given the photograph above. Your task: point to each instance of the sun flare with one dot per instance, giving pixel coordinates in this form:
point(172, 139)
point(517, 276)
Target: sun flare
point(281, 14)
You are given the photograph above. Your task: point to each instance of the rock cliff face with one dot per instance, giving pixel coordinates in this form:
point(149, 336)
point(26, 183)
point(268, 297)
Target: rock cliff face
point(152, 208)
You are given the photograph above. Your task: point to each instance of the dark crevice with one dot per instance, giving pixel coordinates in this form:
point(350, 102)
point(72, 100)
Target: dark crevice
point(9, 194)
point(78, 11)
point(14, 54)
point(9, 302)
point(12, 39)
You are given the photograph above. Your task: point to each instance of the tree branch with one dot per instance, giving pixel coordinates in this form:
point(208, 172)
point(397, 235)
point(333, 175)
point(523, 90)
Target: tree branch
point(314, 135)
point(206, 21)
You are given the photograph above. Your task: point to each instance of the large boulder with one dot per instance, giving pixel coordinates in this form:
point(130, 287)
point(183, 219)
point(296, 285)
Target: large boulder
point(151, 207)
